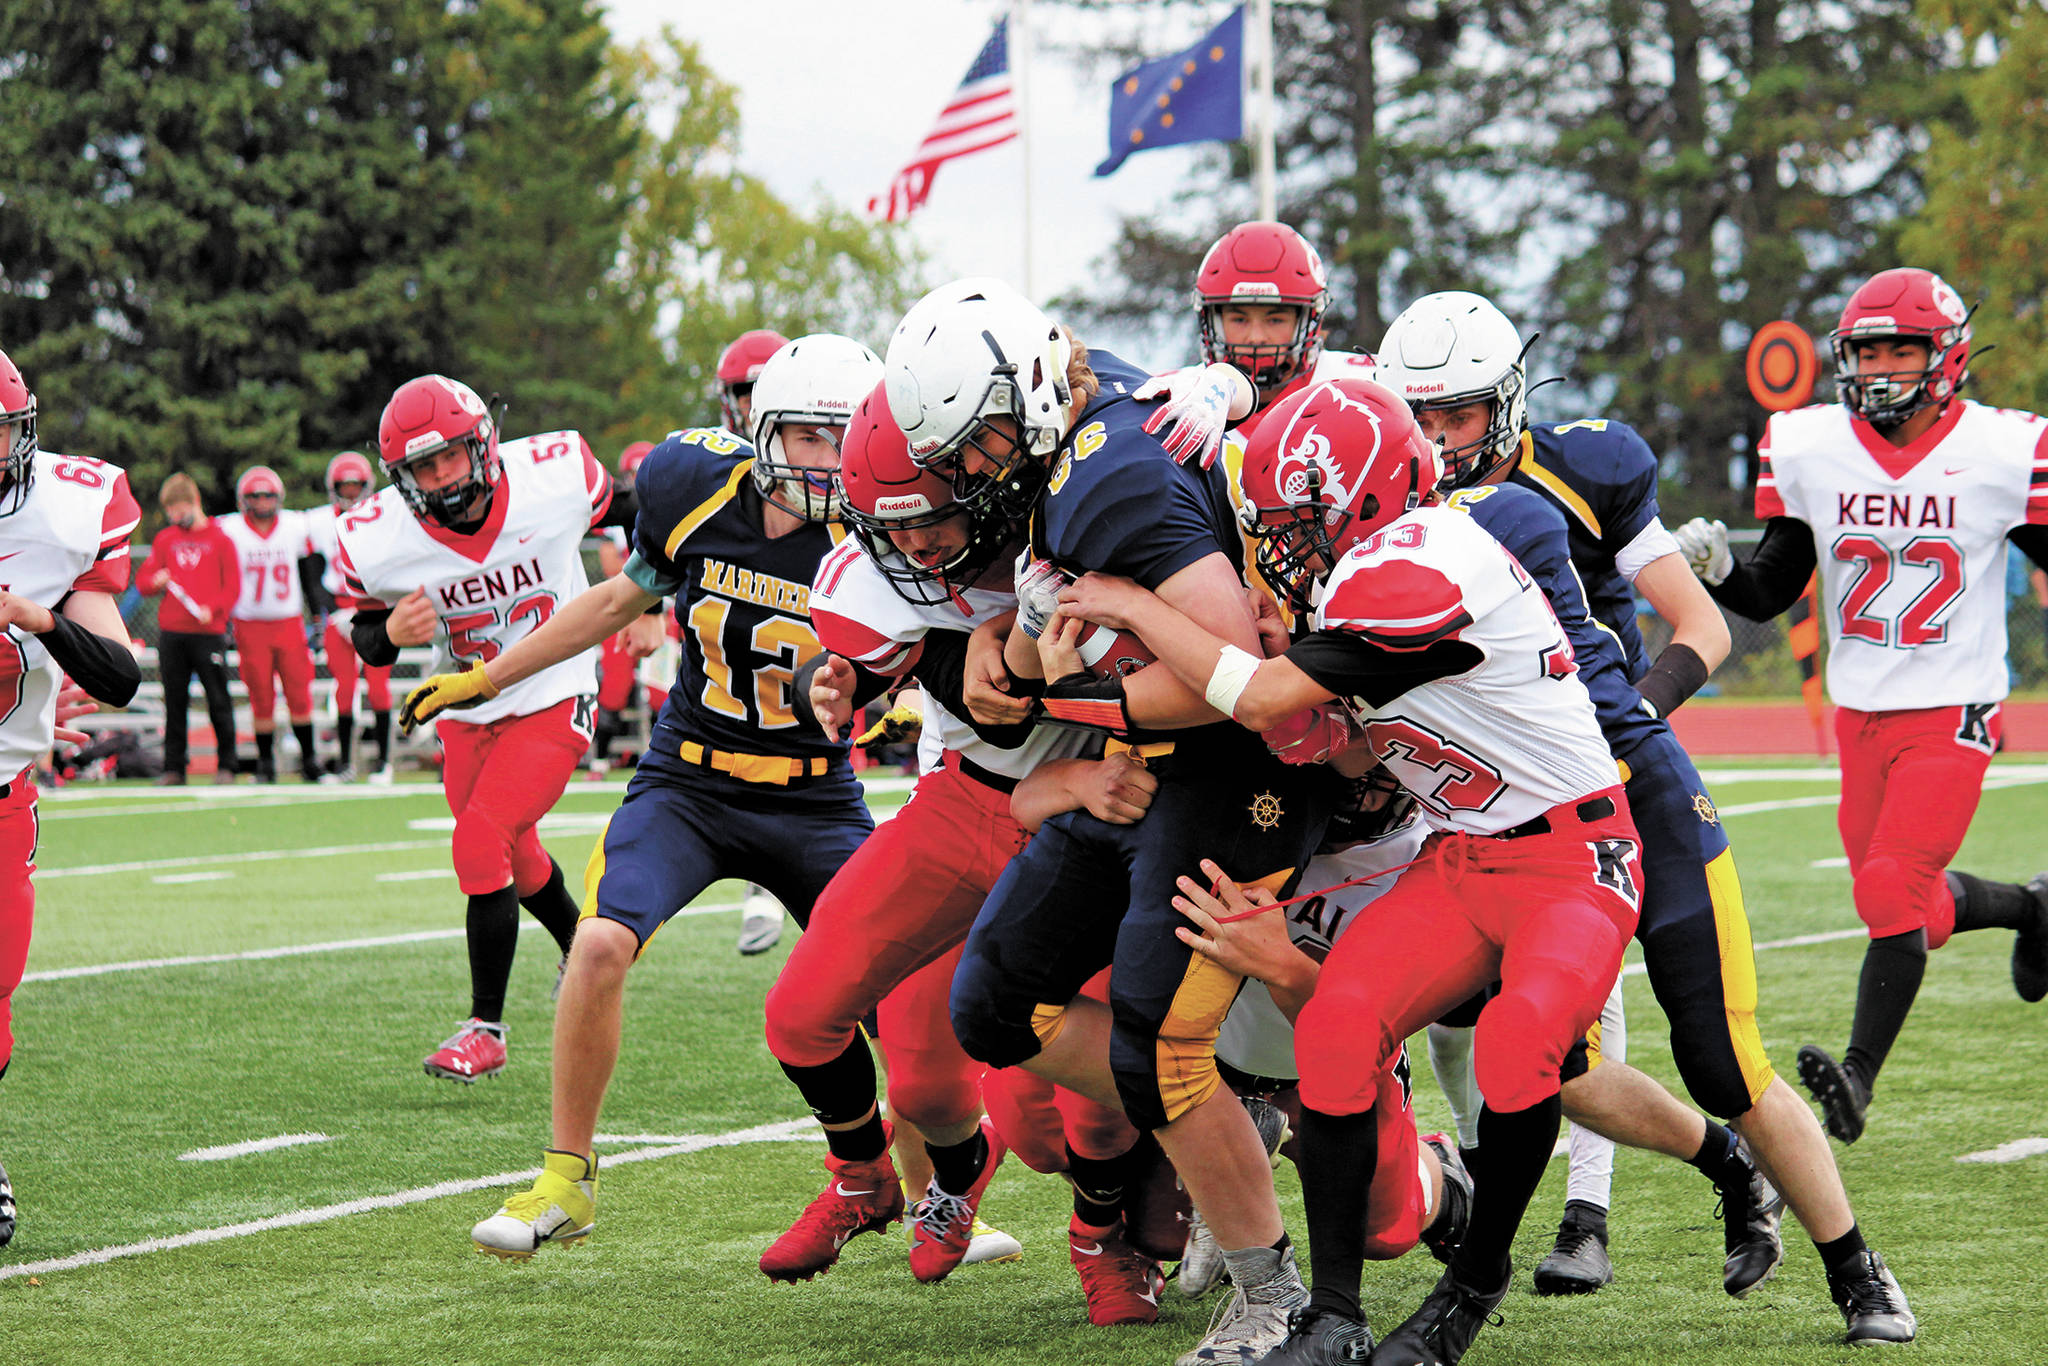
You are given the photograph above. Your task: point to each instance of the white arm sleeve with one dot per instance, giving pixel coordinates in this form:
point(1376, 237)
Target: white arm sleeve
point(1653, 542)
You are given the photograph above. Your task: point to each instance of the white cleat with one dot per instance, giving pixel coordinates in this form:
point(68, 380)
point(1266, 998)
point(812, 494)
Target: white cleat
point(991, 1245)
point(760, 922)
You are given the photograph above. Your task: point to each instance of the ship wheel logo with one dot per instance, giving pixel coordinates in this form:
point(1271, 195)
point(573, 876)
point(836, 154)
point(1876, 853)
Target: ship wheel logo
point(1266, 811)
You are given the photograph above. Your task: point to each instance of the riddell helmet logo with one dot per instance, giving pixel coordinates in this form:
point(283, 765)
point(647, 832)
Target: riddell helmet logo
point(1255, 289)
point(905, 504)
point(422, 442)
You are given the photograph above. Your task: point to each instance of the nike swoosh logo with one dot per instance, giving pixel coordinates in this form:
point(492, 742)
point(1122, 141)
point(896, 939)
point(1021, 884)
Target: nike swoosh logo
point(1095, 1251)
point(1953, 473)
point(10, 555)
point(1149, 1298)
point(846, 1194)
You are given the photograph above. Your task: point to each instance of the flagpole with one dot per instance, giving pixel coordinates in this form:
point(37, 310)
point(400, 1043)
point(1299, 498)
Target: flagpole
point(1263, 151)
point(1020, 60)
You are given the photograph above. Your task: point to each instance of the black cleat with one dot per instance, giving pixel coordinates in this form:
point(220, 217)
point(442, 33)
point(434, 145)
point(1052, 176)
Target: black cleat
point(1578, 1264)
point(1448, 1230)
point(6, 1209)
point(1872, 1304)
point(2030, 946)
point(1441, 1331)
point(1750, 1225)
point(1843, 1098)
point(1321, 1337)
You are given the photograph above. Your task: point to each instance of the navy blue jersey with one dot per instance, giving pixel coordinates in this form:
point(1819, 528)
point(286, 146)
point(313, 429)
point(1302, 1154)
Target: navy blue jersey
point(1603, 478)
point(744, 600)
point(1535, 533)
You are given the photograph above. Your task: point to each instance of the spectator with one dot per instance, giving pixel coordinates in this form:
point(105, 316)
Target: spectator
point(193, 564)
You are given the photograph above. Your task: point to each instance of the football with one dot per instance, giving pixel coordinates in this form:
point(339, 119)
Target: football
point(1110, 653)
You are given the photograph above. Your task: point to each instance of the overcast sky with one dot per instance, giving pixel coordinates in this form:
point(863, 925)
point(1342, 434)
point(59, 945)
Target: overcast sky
point(835, 95)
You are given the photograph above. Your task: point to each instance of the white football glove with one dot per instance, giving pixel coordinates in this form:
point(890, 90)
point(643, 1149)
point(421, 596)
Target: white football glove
point(1198, 406)
point(1038, 595)
point(1705, 547)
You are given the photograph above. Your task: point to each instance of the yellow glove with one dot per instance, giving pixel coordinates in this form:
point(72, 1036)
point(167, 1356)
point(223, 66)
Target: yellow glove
point(445, 692)
point(897, 725)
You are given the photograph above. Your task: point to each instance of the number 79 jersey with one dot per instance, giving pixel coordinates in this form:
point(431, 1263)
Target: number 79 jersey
point(1911, 543)
point(494, 587)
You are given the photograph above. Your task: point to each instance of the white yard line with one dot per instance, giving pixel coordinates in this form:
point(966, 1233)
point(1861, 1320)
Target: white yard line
point(2009, 1152)
point(760, 1133)
point(173, 879)
point(254, 1145)
point(251, 856)
point(297, 950)
point(416, 875)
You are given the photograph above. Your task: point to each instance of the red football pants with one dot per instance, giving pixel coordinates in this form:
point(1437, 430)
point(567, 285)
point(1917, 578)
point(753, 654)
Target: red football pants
point(904, 900)
point(17, 897)
point(614, 674)
point(270, 650)
point(500, 778)
point(1548, 915)
point(343, 665)
point(1910, 783)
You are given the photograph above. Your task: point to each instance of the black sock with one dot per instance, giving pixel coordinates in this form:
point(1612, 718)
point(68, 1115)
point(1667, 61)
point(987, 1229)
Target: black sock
point(493, 939)
point(1517, 1148)
point(554, 908)
point(1470, 1157)
point(840, 1092)
point(1718, 1160)
point(1099, 1186)
point(1586, 1217)
point(957, 1166)
point(266, 751)
point(1838, 1254)
point(1892, 969)
point(345, 735)
point(309, 762)
point(1338, 1154)
point(380, 726)
point(606, 730)
point(1982, 905)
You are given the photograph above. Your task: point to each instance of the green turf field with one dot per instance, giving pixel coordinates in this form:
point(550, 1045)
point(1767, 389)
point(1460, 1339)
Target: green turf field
point(355, 1248)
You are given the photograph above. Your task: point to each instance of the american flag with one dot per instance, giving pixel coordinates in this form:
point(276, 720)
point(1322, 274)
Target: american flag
point(980, 115)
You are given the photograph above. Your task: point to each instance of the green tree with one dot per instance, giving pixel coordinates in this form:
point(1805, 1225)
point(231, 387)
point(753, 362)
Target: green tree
point(1986, 218)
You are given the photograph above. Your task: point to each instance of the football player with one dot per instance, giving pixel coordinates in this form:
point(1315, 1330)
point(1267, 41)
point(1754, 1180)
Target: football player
point(474, 544)
point(274, 546)
point(1450, 659)
point(1458, 361)
point(1906, 495)
point(732, 785)
point(350, 482)
point(1011, 409)
point(64, 527)
point(897, 602)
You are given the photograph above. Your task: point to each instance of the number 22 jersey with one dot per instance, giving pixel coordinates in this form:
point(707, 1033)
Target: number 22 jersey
point(742, 600)
point(494, 586)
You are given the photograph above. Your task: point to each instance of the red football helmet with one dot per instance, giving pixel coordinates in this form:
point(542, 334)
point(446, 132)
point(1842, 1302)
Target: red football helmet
point(18, 457)
point(739, 365)
point(259, 481)
point(882, 490)
point(1263, 263)
point(1916, 305)
point(425, 416)
point(631, 459)
point(1328, 467)
point(350, 467)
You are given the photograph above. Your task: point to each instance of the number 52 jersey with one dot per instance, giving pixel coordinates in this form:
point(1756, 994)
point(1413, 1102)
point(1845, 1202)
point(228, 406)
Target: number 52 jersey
point(493, 587)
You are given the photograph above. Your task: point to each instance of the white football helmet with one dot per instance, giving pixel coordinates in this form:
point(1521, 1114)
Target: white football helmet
point(816, 380)
point(1450, 349)
point(972, 350)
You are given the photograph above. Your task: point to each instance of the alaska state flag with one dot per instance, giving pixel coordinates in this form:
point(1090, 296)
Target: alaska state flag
point(1192, 96)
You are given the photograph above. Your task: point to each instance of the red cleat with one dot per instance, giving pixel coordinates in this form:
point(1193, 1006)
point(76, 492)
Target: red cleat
point(1121, 1284)
point(862, 1197)
point(475, 1050)
point(943, 1224)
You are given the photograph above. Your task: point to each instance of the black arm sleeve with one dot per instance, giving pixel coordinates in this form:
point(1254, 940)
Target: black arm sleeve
point(941, 670)
point(867, 686)
point(1351, 666)
point(367, 634)
point(1774, 575)
point(2032, 541)
point(106, 669)
point(623, 512)
point(1678, 673)
point(312, 569)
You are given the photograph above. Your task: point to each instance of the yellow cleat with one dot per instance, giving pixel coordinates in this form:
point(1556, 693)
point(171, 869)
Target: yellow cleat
point(560, 1208)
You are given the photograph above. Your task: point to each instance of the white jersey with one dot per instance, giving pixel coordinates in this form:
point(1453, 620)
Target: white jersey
point(71, 535)
point(856, 614)
point(1256, 1037)
point(492, 588)
point(1911, 543)
point(1509, 738)
point(270, 565)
